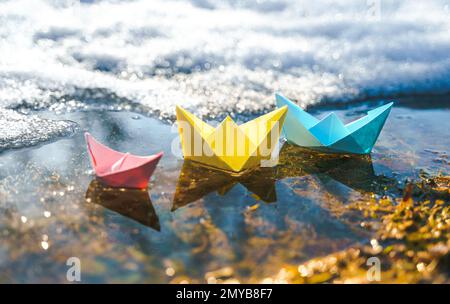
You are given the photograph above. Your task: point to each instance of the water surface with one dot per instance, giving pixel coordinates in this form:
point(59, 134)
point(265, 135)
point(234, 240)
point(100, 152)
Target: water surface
point(196, 224)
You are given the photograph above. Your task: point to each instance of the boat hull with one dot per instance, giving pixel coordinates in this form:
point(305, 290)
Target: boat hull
point(120, 170)
point(330, 135)
point(135, 179)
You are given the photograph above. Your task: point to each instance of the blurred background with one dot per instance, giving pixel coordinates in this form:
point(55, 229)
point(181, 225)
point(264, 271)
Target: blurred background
point(220, 55)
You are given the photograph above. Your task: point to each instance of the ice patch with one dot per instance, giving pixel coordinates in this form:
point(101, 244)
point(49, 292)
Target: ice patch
point(18, 130)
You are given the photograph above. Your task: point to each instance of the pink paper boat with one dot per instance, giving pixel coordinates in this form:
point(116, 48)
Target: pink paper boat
point(118, 169)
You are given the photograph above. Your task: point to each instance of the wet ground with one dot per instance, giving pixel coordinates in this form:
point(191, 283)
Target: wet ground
point(196, 224)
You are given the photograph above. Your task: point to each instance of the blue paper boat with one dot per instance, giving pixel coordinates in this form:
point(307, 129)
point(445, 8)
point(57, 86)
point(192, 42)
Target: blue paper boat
point(330, 134)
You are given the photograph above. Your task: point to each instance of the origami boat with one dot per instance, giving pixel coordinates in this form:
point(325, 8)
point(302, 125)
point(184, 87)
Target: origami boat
point(330, 134)
point(118, 169)
point(231, 147)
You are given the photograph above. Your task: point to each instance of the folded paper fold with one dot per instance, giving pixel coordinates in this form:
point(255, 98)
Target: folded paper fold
point(330, 134)
point(228, 146)
point(118, 169)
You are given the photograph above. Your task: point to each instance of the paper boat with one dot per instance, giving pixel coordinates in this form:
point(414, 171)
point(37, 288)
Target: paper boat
point(330, 134)
point(118, 169)
point(230, 147)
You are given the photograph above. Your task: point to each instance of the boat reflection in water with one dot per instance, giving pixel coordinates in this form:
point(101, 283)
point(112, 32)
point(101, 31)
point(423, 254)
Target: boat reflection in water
point(353, 171)
point(196, 181)
point(131, 203)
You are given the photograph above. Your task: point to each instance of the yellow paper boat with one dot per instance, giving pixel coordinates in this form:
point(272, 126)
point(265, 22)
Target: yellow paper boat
point(228, 146)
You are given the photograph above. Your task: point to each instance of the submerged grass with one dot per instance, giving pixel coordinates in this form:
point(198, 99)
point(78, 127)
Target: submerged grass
point(412, 241)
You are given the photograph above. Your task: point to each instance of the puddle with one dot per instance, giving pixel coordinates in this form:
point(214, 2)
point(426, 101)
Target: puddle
point(194, 224)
